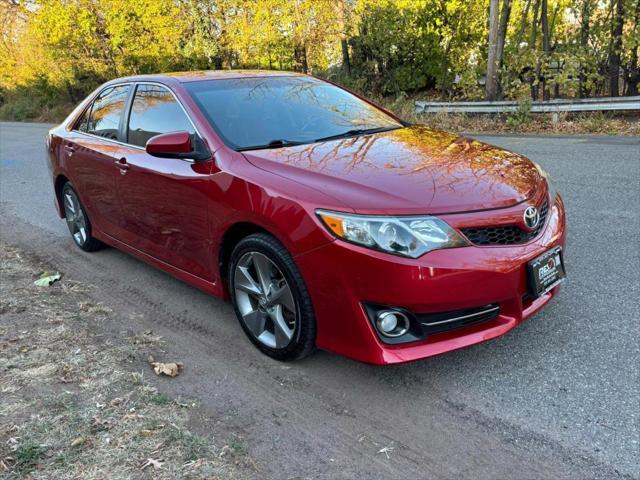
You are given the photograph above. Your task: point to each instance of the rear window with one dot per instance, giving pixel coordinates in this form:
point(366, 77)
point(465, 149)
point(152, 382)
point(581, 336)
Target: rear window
point(254, 112)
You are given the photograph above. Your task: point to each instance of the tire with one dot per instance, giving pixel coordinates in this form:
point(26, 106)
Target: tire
point(268, 320)
point(78, 220)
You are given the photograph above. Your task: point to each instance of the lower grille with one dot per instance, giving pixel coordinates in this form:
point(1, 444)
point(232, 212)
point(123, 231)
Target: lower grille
point(442, 322)
point(505, 234)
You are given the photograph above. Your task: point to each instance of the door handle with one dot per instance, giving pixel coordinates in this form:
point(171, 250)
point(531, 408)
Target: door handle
point(69, 149)
point(122, 165)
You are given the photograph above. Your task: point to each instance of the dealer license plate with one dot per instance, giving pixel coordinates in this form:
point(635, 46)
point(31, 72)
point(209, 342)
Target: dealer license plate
point(546, 272)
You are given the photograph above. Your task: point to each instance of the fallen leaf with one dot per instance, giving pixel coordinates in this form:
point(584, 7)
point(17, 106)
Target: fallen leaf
point(77, 442)
point(156, 464)
point(170, 369)
point(47, 280)
point(4, 467)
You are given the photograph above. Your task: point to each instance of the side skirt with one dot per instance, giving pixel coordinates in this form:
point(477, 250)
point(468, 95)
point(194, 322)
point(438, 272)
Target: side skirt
point(213, 288)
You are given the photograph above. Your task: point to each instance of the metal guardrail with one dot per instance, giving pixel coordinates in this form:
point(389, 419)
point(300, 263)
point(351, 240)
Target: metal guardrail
point(551, 106)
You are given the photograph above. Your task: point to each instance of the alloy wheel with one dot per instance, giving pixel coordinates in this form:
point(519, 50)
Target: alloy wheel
point(76, 220)
point(265, 301)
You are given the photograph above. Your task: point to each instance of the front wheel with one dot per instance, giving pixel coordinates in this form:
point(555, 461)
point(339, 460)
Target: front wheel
point(271, 299)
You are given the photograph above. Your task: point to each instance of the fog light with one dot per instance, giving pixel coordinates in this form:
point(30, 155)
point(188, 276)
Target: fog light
point(392, 323)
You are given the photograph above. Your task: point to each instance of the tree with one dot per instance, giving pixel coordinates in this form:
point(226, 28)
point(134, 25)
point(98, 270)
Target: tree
point(616, 48)
point(632, 70)
point(546, 45)
point(584, 43)
point(498, 23)
point(491, 84)
point(344, 16)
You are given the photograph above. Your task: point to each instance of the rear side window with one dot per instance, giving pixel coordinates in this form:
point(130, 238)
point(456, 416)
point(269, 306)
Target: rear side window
point(82, 124)
point(155, 111)
point(106, 112)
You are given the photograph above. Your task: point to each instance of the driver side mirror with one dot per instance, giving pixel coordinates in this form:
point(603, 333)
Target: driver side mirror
point(182, 145)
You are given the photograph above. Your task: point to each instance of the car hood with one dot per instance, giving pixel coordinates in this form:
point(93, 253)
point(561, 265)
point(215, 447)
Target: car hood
point(407, 171)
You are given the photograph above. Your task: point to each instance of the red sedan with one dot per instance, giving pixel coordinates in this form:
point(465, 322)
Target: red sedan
point(327, 220)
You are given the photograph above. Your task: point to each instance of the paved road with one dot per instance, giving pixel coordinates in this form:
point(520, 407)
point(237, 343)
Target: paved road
point(557, 397)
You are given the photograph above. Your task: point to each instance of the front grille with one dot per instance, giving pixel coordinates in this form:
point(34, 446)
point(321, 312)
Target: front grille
point(505, 234)
point(445, 321)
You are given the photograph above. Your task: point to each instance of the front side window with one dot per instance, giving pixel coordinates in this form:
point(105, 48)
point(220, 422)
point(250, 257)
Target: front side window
point(106, 112)
point(155, 111)
point(260, 112)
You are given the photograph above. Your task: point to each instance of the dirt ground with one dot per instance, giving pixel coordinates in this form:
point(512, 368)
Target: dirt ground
point(548, 400)
point(80, 402)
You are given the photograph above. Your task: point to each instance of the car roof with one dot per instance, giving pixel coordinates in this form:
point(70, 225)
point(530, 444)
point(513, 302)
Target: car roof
point(199, 75)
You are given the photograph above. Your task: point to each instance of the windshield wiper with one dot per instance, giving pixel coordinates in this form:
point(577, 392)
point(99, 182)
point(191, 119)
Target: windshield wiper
point(273, 144)
point(355, 132)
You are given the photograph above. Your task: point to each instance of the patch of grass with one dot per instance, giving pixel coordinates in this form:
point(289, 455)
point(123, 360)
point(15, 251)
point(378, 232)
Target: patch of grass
point(28, 455)
point(153, 424)
point(79, 412)
point(60, 403)
point(238, 447)
point(136, 378)
point(193, 446)
point(160, 399)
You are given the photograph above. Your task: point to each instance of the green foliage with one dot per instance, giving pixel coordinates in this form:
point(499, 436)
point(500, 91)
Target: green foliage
point(27, 456)
point(54, 52)
point(193, 446)
point(521, 116)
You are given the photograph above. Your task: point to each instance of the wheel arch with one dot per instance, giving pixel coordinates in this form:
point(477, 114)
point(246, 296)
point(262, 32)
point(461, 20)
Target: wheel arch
point(57, 186)
point(231, 237)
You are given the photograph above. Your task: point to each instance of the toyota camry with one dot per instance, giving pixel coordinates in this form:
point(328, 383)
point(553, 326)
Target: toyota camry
point(326, 220)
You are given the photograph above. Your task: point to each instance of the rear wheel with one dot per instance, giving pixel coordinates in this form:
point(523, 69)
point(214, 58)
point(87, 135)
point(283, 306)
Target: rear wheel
point(271, 299)
point(78, 221)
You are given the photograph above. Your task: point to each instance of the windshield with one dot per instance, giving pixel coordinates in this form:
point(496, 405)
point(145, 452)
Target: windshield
point(269, 112)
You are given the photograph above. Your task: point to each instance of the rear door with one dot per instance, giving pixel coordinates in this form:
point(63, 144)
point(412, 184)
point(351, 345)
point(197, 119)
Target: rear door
point(164, 201)
point(91, 151)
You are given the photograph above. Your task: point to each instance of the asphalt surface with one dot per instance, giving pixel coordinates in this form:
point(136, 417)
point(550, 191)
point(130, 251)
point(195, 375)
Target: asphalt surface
point(558, 396)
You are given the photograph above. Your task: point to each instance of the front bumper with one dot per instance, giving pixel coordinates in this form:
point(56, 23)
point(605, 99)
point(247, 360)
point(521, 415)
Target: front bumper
point(342, 277)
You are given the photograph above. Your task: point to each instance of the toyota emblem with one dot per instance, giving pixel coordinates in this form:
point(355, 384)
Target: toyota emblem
point(531, 217)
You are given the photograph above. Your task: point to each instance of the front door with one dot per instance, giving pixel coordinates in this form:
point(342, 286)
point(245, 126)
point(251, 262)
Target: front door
point(164, 200)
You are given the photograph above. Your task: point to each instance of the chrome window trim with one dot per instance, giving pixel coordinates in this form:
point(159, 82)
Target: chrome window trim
point(195, 129)
point(90, 105)
point(135, 85)
point(70, 124)
point(108, 140)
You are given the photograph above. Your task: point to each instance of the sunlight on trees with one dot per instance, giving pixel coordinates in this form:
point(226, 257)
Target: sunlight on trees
point(59, 50)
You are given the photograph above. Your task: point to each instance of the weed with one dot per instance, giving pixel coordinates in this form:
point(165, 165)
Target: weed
point(237, 446)
point(153, 424)
point(160, 399)
point(28, 455)
point(521, 116)
point(193, 446)
point(60, 403)
point(136, 378)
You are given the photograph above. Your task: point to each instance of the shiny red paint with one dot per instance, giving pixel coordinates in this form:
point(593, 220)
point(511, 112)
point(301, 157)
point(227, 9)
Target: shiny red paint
point(169, 143)
point(182, 217)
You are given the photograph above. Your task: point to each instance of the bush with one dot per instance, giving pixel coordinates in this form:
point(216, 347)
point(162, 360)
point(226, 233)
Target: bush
point(37, 101)
point(521, 116)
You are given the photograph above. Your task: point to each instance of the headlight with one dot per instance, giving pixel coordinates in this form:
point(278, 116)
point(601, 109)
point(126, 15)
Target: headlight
point(550, 185)
point(407, 236)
